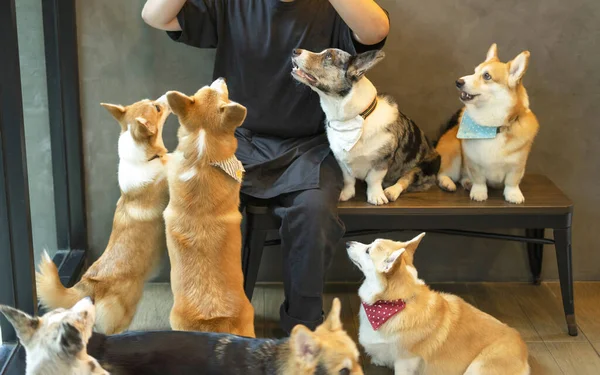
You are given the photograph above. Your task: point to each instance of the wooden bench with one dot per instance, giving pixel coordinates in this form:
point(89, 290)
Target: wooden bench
point(545, 207)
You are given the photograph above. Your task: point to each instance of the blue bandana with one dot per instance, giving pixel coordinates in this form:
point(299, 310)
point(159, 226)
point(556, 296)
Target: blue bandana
point(469, 129)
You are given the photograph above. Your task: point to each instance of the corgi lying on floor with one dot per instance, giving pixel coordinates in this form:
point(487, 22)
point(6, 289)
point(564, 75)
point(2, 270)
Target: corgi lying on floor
point(326, 351)
point(488, 141)
point(368, 135)
point(56, 342)
point(203, 218)
point(136, 243)
point(415, 330)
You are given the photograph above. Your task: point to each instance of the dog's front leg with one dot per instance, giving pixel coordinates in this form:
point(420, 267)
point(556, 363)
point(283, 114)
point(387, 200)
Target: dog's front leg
point(375, 193)
point(349, 189)
point(512, 192)
point(408, 366)
point(479, 191)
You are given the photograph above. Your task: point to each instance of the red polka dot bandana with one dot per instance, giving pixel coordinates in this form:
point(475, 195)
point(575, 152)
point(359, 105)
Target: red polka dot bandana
point(381, 311)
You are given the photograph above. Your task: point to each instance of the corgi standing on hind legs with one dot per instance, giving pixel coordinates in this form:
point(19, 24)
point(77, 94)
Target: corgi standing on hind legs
point(137, 241)
point(488, 141)
point(203, 218)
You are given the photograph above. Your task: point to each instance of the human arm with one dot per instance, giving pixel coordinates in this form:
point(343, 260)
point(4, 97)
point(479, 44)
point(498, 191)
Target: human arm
point(368, 22)
point(162, 14)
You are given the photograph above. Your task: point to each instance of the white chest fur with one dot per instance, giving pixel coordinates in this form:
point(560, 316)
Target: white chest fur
point(359, 160)
point(135, 170)
point(384, 350)
point(491, 156)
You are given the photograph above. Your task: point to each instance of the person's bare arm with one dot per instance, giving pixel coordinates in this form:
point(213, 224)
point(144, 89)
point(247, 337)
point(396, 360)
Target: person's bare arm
point(365, 18)
point(162, 14)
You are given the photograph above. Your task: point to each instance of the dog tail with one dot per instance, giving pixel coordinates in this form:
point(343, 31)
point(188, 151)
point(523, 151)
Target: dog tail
point(452, 122)
point(50, 290)
point(426, 172)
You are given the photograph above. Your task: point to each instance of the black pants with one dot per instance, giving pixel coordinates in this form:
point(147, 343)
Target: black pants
point(310, 230)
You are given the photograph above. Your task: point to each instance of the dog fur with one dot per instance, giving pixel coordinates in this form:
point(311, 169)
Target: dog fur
point(137, 241)
point(203, 218)
point(392, 155)
point(56, 342)
point(326, 351)
point(493, 96)
point(436, 333)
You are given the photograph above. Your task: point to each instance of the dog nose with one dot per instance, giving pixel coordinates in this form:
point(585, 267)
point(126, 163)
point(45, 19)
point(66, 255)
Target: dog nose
point(460, 83)
point(296, 52)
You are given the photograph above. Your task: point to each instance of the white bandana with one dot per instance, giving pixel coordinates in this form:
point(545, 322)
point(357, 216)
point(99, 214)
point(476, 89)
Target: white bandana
point(232, 166)
point(347, 132)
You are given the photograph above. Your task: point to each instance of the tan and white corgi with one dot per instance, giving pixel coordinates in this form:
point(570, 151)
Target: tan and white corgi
point(56, 342)
point(203, 218)
point(406, 326)
point(488, 141)
point(137, 241)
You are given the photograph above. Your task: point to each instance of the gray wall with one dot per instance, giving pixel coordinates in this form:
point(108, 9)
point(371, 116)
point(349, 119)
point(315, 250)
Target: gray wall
point(432, 43)
point(37, 131)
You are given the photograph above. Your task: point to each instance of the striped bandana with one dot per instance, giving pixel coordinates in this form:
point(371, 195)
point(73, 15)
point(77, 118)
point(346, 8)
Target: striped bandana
point(232, 166)
point(381, 311)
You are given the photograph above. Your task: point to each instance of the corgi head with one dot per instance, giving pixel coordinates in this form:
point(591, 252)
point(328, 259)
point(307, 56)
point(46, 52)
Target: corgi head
point(332, 72)
point(56, 342)
point(328, 350)
point(494, 93)
point(141, 129)
point(388, 268)
point(208, 119)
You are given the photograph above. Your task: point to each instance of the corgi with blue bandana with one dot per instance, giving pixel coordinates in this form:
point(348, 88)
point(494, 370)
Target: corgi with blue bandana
point(487, 142)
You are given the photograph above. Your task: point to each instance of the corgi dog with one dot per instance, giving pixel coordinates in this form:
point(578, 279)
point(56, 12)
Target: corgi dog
point(56, 342)
point(487, 142)
point(406, 326)
point(203, 218)
point(368, 135)
point(326, 351)
point(137, 241)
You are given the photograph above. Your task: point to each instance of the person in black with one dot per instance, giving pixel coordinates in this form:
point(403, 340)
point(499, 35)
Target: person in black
point(282, 143)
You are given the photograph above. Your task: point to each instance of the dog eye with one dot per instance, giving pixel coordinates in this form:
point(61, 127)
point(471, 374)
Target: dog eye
point(369, 250)
point(328, 56)
point(487, 76)
point(157, 107)
point(345, 371)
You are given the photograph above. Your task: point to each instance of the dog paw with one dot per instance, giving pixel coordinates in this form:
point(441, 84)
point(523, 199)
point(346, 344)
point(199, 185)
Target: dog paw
point(466, 184)
point(393, 192)
point(446, 183)
point(377, 197)
point(479, 193)
point(348, 192)
point(513, 194)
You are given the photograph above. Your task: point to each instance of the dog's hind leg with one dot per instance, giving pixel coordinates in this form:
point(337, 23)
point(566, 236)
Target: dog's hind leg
point(393, 192)
point(449, 148)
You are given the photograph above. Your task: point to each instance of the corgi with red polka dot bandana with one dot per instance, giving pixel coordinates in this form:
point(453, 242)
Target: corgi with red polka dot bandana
point(412, 329)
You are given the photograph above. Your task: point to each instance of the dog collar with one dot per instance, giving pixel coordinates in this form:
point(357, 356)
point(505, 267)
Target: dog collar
point(232, 166)
point(469, 129)
point(370, 109)
point(381, 311)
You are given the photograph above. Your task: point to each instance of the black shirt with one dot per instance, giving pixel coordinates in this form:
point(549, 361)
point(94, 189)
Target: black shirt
point(254, 40)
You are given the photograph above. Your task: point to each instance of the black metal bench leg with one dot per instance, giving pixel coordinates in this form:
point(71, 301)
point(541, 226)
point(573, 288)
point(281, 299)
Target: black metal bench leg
point(254, 243)
point(535, 253)
point(562, 238)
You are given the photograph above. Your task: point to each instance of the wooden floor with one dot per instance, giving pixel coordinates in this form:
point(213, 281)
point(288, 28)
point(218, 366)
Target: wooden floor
point(536, 311)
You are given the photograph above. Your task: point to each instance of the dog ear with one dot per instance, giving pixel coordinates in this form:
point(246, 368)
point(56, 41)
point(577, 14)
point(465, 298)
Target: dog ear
point(333, 322)
point(389, 263)
point(517, 68)
point(144, 127)
point(24, 324)
point(363, 63)
point(179, 102)
point(70, 339)
point(411, 246)
point(118, 112)
point(492, 53)
point(305, 347)
point(232, 115)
